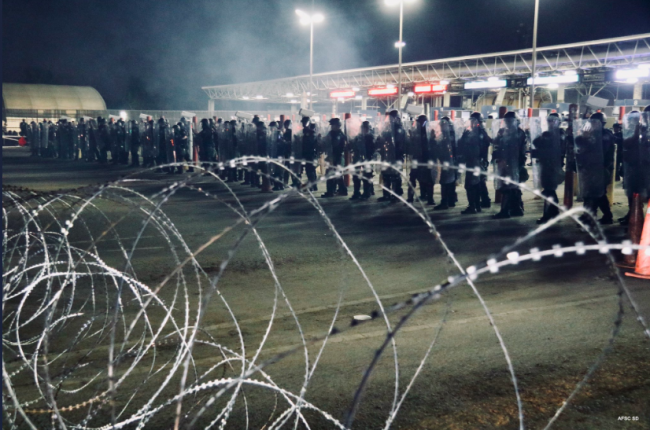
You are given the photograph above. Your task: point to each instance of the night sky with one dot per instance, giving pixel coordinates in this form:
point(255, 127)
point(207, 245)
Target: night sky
point(156, 54)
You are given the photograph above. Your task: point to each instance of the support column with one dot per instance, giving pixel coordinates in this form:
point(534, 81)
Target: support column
point(364, 103)
point(446, 100)
point(303, 101)
point(499, 100)
point(560, 95)
point(211, 105)
point(638, 91)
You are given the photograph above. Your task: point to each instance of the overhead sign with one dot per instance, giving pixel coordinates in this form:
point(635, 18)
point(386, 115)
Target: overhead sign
point(559, 79)
point(430, 88)
point(376, 92)
point(490, 83)
point(342, 94)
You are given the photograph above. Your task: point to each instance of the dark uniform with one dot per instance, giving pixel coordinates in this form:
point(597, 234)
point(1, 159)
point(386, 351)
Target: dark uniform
point(391, 145)
point(120, 142)
point(134, 143)
point(419, 151)
point(207, 151)
point(309, 152)
point(148, 145)
point(333, 146)
point(362, 148)
point(163, 140)
point(594, 154)
point(510, 156)
point(549, 149)
point(181, 146)
point(472, 151)
point(287, 139)
point(82, 131)
point(443, 151)
point(103, 139)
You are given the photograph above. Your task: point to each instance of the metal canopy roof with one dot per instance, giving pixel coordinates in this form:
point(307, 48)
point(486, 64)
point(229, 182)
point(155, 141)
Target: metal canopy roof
point(51, 97)
point(614, 53)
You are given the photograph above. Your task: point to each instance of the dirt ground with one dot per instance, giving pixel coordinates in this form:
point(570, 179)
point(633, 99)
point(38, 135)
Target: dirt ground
point(556, 316)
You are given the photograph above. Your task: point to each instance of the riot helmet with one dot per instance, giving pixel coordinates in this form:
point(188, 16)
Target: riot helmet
point(475, 115)
point(511, 120)
point(599, 116)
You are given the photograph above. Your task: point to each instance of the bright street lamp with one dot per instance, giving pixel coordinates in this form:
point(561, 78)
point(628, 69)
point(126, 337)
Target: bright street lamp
point(310, 19)
point(400, 43)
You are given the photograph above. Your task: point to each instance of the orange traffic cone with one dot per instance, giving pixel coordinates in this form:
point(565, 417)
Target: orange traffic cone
point(643, 257)
point(635, 227)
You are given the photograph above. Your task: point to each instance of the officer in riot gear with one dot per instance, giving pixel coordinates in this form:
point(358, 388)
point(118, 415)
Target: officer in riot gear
point(391, 146)
point(112, 140)
point(244, 149)
point(120, 135)
point(297, 166)
point(163, 141)
point(23, 128)
point(82, 132)
point(148, 145)
point(636, 157)
point(444, 153)
point(93, 147)
point(207, 152)
point(74, 133)
point(103, 140)
point(484, 145)
point(276, 151)
point(44, 137)
point(35, 139)
point(594, 154)
point(263, 137)
point(549, 150)
point(310, 151)
point(233, 150)
point(362, 148)
point(241, 144)
point(134, 143)
point(253, 176)
point(418, 150)
point(287, 140)
point(617, 130)
point(333, 147)
point(181, 146)
point(52, 140)
point(62, 138)
point(469, 153)
point(510, 156)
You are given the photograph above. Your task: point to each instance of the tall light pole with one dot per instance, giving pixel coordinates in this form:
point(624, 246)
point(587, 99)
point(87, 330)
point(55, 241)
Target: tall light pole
point(532, 86)
point(310, 19)
point(399, 45)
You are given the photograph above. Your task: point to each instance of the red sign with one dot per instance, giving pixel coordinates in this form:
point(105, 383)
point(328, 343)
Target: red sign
point(342, 94)
point(430, 88)
point(382, 91)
